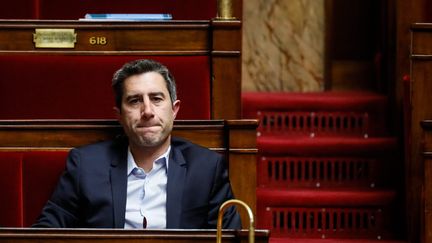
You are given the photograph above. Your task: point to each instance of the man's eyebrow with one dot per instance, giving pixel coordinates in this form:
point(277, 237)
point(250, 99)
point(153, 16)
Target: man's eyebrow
point(157, 94)
point(128, 96)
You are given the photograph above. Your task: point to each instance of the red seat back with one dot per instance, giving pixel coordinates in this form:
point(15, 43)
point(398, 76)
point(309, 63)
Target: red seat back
point(79, 87)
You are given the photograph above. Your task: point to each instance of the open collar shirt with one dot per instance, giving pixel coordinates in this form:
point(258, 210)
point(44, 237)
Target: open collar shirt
point(146, 193)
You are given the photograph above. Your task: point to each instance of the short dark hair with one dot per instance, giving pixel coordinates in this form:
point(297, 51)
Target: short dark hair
point(138, 67)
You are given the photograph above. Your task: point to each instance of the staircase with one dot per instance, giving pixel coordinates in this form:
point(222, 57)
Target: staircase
point(327, 170)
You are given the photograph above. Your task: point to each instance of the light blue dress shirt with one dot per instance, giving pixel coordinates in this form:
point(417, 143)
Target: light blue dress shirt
point(146, 193)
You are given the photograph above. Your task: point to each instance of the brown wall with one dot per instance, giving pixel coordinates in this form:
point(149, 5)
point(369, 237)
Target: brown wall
point(355, 49)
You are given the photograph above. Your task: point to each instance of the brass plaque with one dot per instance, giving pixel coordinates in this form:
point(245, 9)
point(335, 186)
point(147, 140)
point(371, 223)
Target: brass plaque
point(54, 38)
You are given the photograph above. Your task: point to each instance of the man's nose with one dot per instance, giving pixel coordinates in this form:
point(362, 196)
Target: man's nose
point(147, 109)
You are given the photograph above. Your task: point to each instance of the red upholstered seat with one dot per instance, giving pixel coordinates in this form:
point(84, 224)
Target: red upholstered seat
point(79, 87)
point(27, 180)
point(72, 9)
point(348, 113)
point(11, 210)
point(41, 171)
point(302, 145)
point(330, 101)
point(329, 197)
point(325, 213)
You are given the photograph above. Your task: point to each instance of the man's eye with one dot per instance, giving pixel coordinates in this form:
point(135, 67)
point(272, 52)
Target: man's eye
point(157, 99)
point(133, 101)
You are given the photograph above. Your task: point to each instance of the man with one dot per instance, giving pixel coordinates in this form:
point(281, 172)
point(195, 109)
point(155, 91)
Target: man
point(148, 179)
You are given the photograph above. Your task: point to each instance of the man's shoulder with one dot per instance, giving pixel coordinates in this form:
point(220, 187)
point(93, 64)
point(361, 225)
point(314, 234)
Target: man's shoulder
point(188, 146)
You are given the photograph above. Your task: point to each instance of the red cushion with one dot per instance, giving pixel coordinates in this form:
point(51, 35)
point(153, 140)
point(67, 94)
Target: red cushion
point(11, 213)
point(79, 87)
point(329, 197)
point(313, 101)
point(22, 9)
point(307, 146)
point(41, 171)
point(75, 9)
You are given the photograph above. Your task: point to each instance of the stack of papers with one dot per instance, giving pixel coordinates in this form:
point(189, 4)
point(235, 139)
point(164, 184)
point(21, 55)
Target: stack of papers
point(127, 17)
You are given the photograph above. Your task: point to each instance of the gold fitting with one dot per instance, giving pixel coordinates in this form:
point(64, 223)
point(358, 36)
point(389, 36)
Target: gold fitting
point(220, 216)
point(225, 10)
point(54, 38)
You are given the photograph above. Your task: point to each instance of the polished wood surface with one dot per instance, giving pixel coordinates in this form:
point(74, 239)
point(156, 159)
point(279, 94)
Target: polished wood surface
point(19, 235)
point(33, 134)
point(218, 39)
point(226, 63)
point(153, 37)
point(427, 188)
point(236, 139)
point(420, 95)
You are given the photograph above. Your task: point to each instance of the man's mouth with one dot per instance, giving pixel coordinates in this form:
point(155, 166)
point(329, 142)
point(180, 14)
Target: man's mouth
point(147, 126)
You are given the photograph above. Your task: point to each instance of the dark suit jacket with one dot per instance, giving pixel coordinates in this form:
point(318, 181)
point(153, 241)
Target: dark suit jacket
point(91, 192)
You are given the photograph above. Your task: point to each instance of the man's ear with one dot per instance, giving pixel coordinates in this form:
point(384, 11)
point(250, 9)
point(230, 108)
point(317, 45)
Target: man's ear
point(176, 108)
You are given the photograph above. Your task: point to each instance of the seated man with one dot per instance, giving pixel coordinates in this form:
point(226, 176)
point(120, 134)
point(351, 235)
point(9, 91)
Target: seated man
point(146, 178)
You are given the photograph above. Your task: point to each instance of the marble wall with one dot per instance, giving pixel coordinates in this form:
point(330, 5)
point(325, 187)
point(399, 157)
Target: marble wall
point(283, 45)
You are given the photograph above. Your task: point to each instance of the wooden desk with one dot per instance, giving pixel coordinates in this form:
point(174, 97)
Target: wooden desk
point(20, 235)
point(236, 139)
point(219, 40)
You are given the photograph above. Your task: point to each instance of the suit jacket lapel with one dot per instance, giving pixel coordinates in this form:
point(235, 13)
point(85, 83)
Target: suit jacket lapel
point(176, 177)
point(118, 177)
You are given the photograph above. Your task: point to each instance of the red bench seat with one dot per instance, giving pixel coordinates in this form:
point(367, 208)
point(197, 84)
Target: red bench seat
point(27, 180)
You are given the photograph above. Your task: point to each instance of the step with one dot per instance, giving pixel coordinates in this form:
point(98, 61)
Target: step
point(329, 100)
point(341, 197)
point(309, 146)
point(333, 213)
point(322, 171)
point(357, 114)
point(311, 240)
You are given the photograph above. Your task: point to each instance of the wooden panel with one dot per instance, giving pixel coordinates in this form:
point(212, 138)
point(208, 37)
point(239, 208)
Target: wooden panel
point(226, 36)
point(125, 236)
point(169, 36)
point(408, 12)
point(226, 92)
point(353, 75)
point(420, 90)
point(226, 63)
point(72, 133)
point(242, 154)
point(421, 39)
point(427, 188)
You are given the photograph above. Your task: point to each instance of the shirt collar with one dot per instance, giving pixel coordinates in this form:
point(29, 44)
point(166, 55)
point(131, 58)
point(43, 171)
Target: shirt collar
point(131, 164)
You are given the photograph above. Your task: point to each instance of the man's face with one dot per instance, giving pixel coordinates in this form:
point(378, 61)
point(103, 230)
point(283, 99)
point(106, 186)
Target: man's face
point(147, 113)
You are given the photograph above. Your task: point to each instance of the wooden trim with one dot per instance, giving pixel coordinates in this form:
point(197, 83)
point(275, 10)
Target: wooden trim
point(426, 125)
point(226, 53)
point(427, 155)
point(125, 236)
point(421, 26)
point(420, 57)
